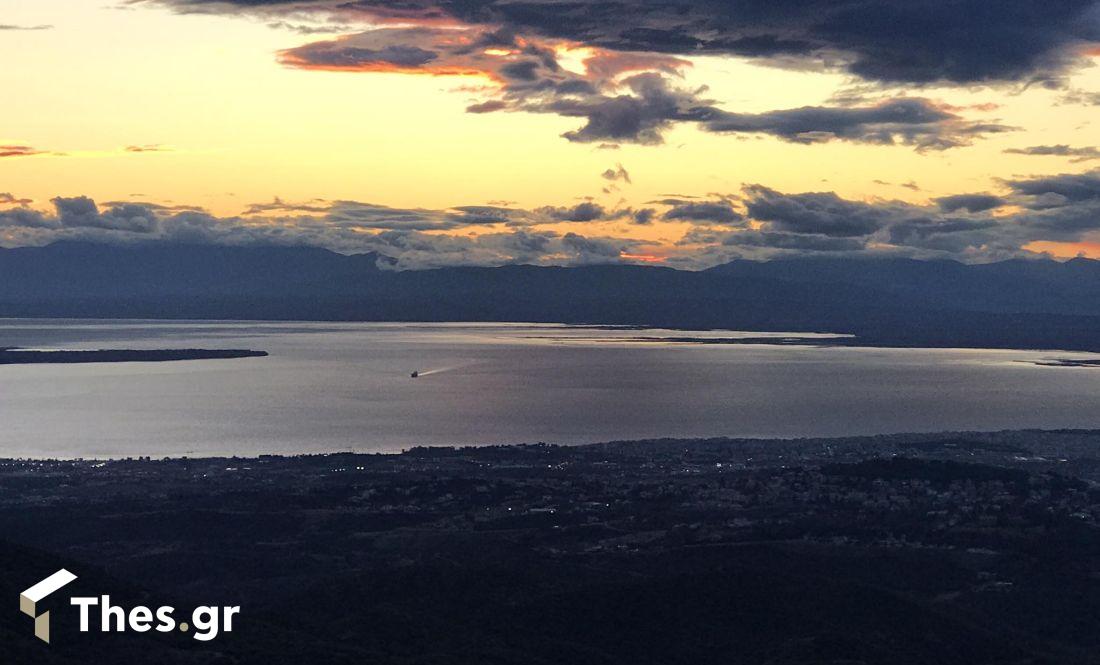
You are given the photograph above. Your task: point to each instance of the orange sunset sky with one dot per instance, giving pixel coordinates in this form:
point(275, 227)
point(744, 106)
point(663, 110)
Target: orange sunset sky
point(440, 135)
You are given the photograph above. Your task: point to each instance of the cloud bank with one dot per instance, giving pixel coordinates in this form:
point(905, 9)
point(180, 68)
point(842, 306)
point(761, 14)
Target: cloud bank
point(757, 222)
point(891, 41)
point(630, 87)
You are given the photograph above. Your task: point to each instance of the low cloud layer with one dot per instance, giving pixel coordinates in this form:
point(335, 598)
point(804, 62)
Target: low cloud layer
point(981, 226)
point(970, 202)
point(702, 212)
point(414, 238)
point(757, 222)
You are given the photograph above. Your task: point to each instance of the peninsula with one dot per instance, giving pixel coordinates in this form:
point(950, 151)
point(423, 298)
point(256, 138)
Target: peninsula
point(15, 356)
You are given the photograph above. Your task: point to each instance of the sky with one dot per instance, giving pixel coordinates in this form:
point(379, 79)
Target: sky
point(457, 132)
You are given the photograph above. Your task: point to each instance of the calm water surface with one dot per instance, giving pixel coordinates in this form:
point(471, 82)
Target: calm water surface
point(329, 387)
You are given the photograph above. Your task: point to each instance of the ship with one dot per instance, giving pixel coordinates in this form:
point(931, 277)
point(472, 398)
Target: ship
point(415, 374)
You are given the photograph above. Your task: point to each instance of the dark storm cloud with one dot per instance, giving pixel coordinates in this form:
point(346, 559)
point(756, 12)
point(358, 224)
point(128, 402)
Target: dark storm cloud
point(1066, 223)
point(823, 222)
point(369, 216)
point(1060, 207)
point(653, 105)
point(593, 250)
point(952, 236)
point(908, 121)
point(898, 229)
point(524, 70)
point(709, 246)
point(1083, 154)
point(1058, 190)
point(961, 41)
point(707, 212)
point(27, 218)
point(891, 41)
point(491, 106)
point(522, 246)
point(648, 106)
point(644, 216)
point(76, 211)
point(969, 227)
point(822, 213)
point(478, 215)
point(582, 212)
point(82, 212)
point(793, 241)
point(638, 108)
point(133, 217)
point(630, 92)
point(969, 202)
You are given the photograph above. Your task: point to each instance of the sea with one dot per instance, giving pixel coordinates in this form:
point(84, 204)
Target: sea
point(332, 387)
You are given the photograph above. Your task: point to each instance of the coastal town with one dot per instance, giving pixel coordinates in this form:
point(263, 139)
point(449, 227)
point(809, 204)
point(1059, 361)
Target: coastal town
point(971, 528)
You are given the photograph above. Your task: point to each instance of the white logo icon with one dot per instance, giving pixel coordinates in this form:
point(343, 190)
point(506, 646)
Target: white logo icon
point(29, 599)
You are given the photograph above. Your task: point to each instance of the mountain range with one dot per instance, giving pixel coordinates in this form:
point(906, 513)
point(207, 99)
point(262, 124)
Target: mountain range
point(882, 301)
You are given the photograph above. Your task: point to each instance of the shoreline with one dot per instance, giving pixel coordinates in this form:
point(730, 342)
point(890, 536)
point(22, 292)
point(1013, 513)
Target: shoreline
point(773, 336)
point(688, 443)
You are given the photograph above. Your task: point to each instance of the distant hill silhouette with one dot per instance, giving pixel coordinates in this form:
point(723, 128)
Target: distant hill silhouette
point(896, 302)
point(1041, 286)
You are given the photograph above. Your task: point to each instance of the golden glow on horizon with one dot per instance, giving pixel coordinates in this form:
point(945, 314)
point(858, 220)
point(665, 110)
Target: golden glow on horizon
point(1067, 250)
point(244, 129)
point(644, 258)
